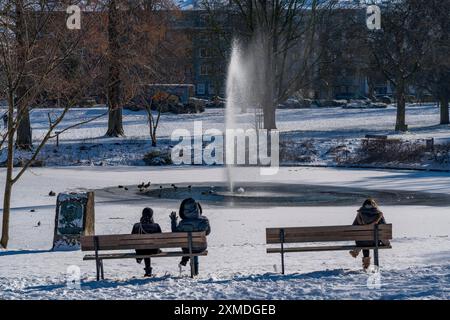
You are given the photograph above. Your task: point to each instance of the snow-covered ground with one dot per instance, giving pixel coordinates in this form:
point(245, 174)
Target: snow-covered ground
point(237, 265)
point(326, 128)
point(313, 123)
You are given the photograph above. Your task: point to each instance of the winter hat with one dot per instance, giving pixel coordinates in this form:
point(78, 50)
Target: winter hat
point(369, 207)
point(189, 208)
point(370, 204)
point(147, 215)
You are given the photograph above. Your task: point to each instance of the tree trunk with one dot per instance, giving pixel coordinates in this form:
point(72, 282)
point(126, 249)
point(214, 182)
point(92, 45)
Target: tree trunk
point(6, 211)
point(401, 108)
point(269, 118)
point(268, 105)
point(115, 127)
point(371, 88)
point(269, 109)
point(9, 172)
point(24, 139)
point(445, 119)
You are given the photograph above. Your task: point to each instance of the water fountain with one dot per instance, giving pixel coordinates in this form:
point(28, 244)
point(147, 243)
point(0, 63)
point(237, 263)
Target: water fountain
point(235, 78)
point(244, 88)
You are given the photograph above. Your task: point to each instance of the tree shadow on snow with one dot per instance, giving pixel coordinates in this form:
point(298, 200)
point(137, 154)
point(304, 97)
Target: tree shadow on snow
point(103, 284)
point(315, 275)
point(18, 252)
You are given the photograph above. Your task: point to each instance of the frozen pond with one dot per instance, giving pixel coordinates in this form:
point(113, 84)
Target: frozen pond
point(272, 194)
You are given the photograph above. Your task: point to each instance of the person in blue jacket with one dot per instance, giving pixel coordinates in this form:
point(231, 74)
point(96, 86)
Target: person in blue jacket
point(192, 220)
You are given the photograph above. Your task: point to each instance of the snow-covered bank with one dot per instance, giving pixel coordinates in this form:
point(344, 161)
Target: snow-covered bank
point(237, 265)
point(320, 136)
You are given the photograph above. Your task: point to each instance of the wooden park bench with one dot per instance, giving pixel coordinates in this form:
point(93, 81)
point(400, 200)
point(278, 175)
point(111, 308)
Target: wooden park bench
point(123, 242)
point(282, 236)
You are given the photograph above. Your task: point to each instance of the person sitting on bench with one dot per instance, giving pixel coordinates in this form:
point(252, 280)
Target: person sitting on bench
point(146, 226)
point(191, 221)
point(368, 214)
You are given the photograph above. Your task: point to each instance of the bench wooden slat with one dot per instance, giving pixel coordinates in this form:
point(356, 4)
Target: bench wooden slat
point(319, 234)
point(165, 235)
point(289, 238)
point(109, 256)
point(146, 241)
point(142, 244)
point(139, 240)
point(366, 234)
point(322, 248)
point(328, 237)
point(346, 228)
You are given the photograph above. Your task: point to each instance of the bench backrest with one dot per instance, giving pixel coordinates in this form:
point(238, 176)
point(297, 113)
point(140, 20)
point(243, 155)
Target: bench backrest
point(328, 233)
point(143, 241)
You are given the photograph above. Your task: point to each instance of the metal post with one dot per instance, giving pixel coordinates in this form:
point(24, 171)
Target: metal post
point(97, 264)
point(282, 250)
point(375, 251)
point(101, 269)
point(57, 138)
point(191, 258)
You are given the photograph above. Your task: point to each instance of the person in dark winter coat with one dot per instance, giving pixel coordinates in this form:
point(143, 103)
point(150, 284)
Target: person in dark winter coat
point(192, 220)
point(146, 226)
point(368, 214)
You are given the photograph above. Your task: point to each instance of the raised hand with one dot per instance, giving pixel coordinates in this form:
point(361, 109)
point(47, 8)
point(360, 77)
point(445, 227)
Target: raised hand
point(173, 215)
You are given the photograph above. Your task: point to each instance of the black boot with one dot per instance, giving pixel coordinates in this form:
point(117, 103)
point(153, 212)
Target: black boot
point(148, 272)
point(184, 261)
point(196, 266)
point(148, 267)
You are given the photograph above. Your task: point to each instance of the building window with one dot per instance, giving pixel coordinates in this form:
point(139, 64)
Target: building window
point(212, 89)
point(205, 53)
point(204, 69)
point(204, 18)
point(200, 88)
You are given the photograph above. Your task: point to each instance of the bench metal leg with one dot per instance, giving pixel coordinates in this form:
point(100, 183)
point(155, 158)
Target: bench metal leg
point(97, 270)
point(101, 269)
point(97, 261)
point(191, 258)
point(282, 250)
point(148, 266)
point(375, 254)
point(192, 267)
point(375, 251)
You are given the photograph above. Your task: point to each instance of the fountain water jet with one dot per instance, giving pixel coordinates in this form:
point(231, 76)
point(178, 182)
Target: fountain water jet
point(245, 86)
point(234, 84)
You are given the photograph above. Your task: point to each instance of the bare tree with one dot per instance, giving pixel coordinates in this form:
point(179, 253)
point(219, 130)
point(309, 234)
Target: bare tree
point(24, 139)
point(38, 62)
point(286, 33)
point(435, 72)
point(400, 47)
point(156, 53)
point(140, 48)
point(115, 127)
